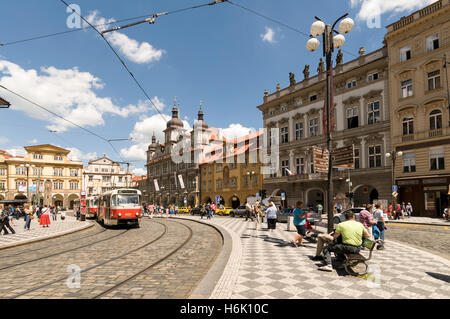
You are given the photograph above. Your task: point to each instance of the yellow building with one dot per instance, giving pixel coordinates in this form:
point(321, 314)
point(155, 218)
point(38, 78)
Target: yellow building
point(59, 177)
point(232, 177)
point(418, 50)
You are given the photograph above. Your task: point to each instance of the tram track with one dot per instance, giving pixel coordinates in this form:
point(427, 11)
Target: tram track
point(96, 265)
point(64, 251)
point(130, 278)
point(26, 251)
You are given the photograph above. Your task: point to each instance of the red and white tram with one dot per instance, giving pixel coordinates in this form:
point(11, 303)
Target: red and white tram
point(91, 207)
point(120, 207)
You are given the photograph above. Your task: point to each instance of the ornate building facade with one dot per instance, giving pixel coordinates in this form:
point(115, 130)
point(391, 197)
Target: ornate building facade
point(102, 175)
point(361, 119)
point(419, 51)
point(45, 168)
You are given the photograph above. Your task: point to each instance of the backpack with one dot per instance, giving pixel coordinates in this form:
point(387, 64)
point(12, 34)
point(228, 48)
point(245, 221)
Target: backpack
point(375, 232)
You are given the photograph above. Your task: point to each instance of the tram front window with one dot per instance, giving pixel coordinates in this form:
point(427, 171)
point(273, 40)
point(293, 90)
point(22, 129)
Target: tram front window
point(125, 200)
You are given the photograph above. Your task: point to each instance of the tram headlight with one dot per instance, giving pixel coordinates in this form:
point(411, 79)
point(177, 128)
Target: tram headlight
point(137, 214)
point(120, 214)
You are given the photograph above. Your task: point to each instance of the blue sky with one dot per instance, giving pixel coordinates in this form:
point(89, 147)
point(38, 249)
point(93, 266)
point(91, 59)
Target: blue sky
point(220, 54)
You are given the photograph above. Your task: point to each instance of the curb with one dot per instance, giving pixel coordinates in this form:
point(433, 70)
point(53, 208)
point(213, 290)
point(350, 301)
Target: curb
point(415, 223)
point(208, 283)
point(60, 234)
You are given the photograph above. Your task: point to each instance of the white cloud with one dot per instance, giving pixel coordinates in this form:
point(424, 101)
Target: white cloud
point(137, 52)
point(67, 92)
point(236, 131)
point(34, 141)
point(369, 7)
point(269, 36)
point(17, 151)
point(77, 155)
point(3, 140)
point(142, 134)
point(139, 171)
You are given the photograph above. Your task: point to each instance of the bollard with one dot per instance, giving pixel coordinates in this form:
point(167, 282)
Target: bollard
point(290, 224)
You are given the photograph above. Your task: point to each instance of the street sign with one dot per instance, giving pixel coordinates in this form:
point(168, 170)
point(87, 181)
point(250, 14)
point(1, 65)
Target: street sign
point(32, 188)
point(320, 159)
point(283, 196)
point(185, 200)
point(343, 157)
point(394, 188)
point(217, 199)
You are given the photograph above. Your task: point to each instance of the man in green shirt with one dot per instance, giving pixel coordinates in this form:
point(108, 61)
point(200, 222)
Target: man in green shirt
point(352, 234)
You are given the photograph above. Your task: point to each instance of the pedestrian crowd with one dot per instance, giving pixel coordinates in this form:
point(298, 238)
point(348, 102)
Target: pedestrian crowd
point(28, 212)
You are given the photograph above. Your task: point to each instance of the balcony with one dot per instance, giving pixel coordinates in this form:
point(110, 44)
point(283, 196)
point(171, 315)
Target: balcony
point(421, 136)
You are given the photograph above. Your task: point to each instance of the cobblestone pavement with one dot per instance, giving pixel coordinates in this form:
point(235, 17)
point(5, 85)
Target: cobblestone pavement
point(37, 232)
point(115, 256)
point(435, 239)
point(264, 265)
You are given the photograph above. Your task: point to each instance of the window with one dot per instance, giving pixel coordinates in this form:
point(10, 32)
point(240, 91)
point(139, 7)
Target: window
point(58, 185)
point(245, 181)
point(2, 171)
point(284, 135)
point(107, 179)
point(408, 125)
point(432, 42)
point(434, 80)
point(271, 112)
point(352, 117)
point(73, 185)
point(20, 184)
point(313, 97)
point(218, 167)
point(314, 127)
point(406, 89)
point(437, 159)
point(435, 120)
point(373, 112)
point(58, 158)
point(37, 156)
point(37, 171)
point(405, 53)
point(351, 84)
point(283, 107)
point(120, 179)
point(58, 172)
point(300, 165)
point(298, 131)
point(298, 101)
point(164, 168)
point(74, 172)
point(233, 165)
point(219, 184)
point(356, 158)
point(270, 138)
point(2, 186)
point(409, 163)
point(233, 182)
point(375, 156)
point(284, 165)
point(91, 178)
point(21, 170)
point(372, 77)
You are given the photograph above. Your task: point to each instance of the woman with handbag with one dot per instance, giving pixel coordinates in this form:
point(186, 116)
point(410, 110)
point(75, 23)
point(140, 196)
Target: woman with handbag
point(45, 218)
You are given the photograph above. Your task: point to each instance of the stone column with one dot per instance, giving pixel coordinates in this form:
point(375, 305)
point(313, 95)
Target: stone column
point(363, 154)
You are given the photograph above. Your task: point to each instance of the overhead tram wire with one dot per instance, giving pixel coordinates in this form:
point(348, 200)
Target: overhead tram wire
point(63, 118)
point(105, 24)
point(277, 22)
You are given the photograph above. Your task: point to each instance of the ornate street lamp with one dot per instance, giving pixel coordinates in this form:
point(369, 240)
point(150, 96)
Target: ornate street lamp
point(329, 43)
point(393, 156)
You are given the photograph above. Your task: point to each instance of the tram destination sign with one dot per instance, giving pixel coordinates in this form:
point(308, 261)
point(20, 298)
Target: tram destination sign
point(343, 157)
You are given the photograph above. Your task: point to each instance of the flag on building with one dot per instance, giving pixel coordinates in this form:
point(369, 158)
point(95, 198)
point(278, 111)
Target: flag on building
point(289, 172)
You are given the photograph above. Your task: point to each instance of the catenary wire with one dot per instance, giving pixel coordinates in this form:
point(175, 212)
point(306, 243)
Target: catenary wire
point(98, 25)
point(63, 118)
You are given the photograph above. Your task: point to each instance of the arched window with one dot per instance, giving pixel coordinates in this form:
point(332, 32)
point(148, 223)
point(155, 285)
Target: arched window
point(435, 120)
point(408, 125)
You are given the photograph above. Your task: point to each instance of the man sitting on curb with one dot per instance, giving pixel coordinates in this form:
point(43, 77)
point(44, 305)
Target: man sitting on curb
point(352, 233)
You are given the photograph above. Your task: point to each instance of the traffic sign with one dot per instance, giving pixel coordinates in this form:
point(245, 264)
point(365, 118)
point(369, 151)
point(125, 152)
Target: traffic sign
point(320, 159)
point(283, 196)
point(394, 188)
point(343, 157)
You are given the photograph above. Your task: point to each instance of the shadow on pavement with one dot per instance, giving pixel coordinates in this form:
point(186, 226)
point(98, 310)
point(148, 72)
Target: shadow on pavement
point(439, 276)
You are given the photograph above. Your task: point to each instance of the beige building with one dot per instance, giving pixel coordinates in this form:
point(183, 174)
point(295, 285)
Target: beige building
point(102, 175)
point(417, 46)
point(362, 119)
point(45, 167)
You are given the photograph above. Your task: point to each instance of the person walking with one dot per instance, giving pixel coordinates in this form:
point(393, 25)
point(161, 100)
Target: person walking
point(366, 218)
point(248, 211)
point(45, 218)
point(53, 212)
point(28, 215)
point(398, 212)
point(4, 222)
point(299, 223)
point(208, 211)
point(271, 214)
point(339, 208)
point(319, 208)
point(378, 217)
point(409, 209)
point(258, 215)
point(403, 209)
